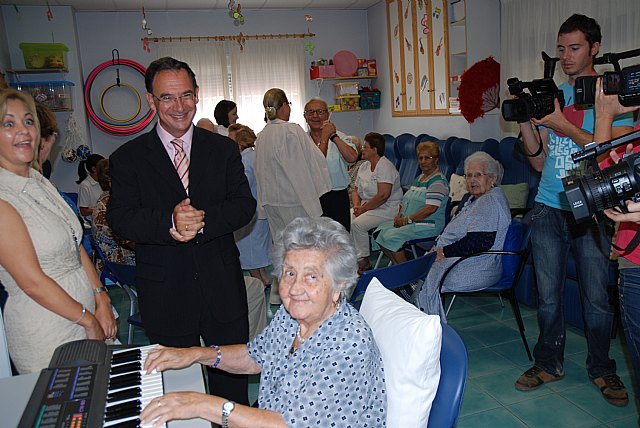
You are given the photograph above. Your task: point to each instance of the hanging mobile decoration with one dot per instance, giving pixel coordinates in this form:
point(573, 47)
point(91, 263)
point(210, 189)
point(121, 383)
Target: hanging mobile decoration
point(72, 139)
point(241, 41)
point(49, 12)
point(235, 14)
point(309, 47)
point(145, 27)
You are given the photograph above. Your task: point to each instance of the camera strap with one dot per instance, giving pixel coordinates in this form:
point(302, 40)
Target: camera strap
point(632, 244)
point(521, 148)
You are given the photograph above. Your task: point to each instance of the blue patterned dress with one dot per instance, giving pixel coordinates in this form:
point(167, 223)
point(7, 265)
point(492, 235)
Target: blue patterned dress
point(335, 378)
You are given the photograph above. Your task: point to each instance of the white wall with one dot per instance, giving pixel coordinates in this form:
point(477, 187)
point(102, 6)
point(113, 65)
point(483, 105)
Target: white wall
point(483, 23)
point(437, 126)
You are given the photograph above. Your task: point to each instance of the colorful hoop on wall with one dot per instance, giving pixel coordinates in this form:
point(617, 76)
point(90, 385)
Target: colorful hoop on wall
point(113, 128)
point(126, 85)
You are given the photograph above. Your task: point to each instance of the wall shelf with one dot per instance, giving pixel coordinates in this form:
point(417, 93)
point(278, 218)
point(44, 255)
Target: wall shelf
point(346, 78)
point(36, 70)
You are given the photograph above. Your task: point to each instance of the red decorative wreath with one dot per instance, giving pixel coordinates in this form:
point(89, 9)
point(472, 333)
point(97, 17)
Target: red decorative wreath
point(479, 90)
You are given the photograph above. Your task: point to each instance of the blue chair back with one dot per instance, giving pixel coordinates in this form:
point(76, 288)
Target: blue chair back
point(517, 237)
point(406, 149)
point(390, 150)
point(394, 276)
point(461, 148)
point(453, 377)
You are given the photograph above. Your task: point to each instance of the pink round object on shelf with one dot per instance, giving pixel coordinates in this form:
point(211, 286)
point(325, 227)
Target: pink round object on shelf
point(346, 63)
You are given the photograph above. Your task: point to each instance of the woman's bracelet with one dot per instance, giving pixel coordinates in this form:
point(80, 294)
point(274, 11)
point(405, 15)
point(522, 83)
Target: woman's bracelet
point(84, 311)
point(219, 356)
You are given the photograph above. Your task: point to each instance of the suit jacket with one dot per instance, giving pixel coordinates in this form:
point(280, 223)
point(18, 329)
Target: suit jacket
point(178, 281)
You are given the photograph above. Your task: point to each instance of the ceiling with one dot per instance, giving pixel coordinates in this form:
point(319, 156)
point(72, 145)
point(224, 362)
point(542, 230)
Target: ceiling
point(124, 5)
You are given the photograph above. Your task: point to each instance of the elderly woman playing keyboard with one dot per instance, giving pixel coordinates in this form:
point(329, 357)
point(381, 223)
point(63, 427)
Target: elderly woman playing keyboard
point(318, 361)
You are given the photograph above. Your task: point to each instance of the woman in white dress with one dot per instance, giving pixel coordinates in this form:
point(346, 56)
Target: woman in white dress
point(55, 295)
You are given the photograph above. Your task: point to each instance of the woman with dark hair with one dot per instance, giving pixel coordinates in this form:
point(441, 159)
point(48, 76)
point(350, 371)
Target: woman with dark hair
point(225, 113)
point(89, 190)
point(376, 196)
point(48, 134)
point(115, 249)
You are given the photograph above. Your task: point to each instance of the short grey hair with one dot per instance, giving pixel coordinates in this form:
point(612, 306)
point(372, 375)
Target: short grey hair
point(316, 99)
point(492, 167)
point(322, 234)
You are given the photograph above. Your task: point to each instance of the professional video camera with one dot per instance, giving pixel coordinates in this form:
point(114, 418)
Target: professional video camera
point(591, 194)
point(622, 82)
point(539, 102)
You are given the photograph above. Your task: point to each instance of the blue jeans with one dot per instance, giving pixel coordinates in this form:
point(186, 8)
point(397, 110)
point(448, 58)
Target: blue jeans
point(630, 310)
point(554, 234)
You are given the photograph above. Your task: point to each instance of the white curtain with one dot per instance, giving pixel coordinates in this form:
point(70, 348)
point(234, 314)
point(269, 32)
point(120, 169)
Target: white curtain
point(209, 63)
point(266, 64)
point(530, 27)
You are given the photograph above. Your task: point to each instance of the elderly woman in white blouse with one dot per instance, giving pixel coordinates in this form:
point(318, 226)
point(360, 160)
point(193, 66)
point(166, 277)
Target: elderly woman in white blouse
point(376, 197)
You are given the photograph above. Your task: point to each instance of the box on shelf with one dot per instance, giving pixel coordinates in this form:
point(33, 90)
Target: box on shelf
point(346, 88)
point(373, 68)
point(349, 102)
point(370, 99)
point(44, 55)
point(322, 72)
point(56, 95)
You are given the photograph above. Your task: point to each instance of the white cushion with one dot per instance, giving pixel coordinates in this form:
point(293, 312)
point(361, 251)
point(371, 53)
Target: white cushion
point(457, 187)
point(409, 342)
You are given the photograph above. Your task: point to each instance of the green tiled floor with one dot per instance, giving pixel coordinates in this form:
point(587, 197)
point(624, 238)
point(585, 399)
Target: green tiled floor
point(496, 359)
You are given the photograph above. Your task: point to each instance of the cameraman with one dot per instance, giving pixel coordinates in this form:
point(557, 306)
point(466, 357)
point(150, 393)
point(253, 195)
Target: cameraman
point(555, 233)
point(607, 107)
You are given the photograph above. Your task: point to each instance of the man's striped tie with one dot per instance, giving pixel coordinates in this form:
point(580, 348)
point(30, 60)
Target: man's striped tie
point(181, 162)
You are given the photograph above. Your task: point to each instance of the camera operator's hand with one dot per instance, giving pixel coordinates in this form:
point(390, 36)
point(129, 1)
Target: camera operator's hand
point(556, 120)
point(608, 106)
point(632, 216)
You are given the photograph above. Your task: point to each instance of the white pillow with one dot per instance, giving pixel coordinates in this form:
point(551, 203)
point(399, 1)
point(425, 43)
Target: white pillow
point(409, 342)
point(457, 187)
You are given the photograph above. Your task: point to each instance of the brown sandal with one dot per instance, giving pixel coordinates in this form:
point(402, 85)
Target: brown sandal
point(534, 378)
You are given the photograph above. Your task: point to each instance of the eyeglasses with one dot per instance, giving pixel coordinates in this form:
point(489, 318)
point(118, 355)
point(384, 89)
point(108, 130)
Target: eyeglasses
point(427, 157)
point(170, 99)
point(475, 175)
point(319, 112)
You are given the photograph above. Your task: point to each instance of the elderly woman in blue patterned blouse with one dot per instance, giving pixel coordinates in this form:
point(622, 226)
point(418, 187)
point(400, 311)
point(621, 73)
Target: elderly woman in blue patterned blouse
point(318, 360)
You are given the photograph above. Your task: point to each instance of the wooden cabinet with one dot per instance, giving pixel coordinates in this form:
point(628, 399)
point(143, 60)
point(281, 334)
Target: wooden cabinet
point(419, 57)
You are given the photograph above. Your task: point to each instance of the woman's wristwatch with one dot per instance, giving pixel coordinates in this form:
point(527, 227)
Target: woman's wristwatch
point(227, 409)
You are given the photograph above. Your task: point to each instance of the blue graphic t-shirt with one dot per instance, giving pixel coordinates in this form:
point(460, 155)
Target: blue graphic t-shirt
point(558, 163)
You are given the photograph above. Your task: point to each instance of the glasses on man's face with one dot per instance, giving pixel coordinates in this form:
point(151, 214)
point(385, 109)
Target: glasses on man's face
point(319, 112)
point(475, 175)
point(170, 99)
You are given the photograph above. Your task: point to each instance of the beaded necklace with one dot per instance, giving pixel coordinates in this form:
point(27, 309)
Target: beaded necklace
point(57, 214)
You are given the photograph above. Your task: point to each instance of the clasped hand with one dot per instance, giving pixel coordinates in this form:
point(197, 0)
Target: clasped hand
point(187, 220)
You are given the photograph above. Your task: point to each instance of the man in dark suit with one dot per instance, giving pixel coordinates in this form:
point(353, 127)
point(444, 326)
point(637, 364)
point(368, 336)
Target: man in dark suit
point(165, 184)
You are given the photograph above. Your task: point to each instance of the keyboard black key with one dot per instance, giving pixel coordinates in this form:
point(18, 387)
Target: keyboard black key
point(126, 368)
point(124, 394)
